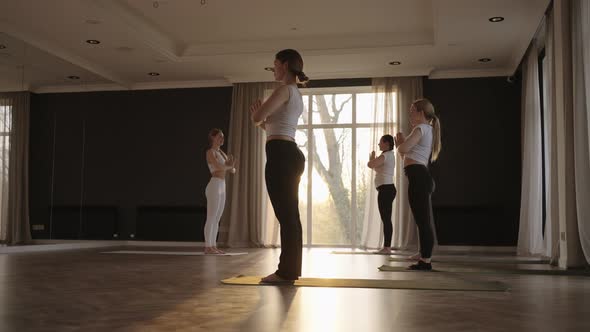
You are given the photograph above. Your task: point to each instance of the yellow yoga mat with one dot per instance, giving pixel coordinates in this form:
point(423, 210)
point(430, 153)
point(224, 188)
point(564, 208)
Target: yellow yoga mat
point(454, 269)
point(450, 285)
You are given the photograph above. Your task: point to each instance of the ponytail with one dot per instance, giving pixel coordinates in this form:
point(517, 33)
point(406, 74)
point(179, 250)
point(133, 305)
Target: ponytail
point(436, 142)
point(302, 78)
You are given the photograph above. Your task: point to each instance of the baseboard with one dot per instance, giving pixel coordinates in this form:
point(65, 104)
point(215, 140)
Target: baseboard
point(51, 245)
point(477, 249)
point(40, 247)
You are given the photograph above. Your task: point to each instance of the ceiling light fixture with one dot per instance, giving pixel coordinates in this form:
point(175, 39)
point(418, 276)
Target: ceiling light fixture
point(156, 4)
point(395, 63)
point(74, 77)
point(93, 41)
point(484, 60)
point(154, 74)
point(269, 69)
point(2, 47)
point(496, 19)
point(203, 2)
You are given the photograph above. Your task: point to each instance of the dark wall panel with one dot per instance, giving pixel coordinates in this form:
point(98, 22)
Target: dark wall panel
point(477, 196)
point(123, 149)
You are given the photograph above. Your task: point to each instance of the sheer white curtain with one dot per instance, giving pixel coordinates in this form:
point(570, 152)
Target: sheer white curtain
point(14, 157)
point(392, 99)
point(581, 106)
point(244, 221)
point(5, 129)
point(549, 117)
point(530, 233)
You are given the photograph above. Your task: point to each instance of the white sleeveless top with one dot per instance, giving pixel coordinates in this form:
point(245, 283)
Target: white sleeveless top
point(384, 173)
point(284, 120)
point(421, 151)
point(220, 159)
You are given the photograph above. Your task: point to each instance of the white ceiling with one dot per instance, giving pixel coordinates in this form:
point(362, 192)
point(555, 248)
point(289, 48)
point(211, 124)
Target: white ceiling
point(194, 43)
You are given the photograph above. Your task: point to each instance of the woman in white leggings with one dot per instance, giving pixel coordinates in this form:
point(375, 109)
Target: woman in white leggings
point(219, 163)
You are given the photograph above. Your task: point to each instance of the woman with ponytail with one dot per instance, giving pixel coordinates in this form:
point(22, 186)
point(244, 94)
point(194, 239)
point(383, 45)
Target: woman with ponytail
point(219, 163)
point(422, 146)
point(285, 163)
point(384, 167)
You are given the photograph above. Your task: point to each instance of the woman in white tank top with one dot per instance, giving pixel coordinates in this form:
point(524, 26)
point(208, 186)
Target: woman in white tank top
point(418, 149)
point(285, 163)
point(219, 164)
point(384, 167)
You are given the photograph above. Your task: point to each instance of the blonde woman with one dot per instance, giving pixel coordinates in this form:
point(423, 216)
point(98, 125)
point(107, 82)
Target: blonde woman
point(422, 146)
point(219, 164)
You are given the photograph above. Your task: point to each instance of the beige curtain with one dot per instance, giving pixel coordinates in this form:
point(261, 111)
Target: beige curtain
point(14, 157)
point(392, 99)
point(244, 222)
point(581, 106)
point(551, 197)
point(530, 233)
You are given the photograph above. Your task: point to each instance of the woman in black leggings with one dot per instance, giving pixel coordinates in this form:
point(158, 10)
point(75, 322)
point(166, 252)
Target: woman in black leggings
point(418, 149)
point(384, 166)
point(285, 163)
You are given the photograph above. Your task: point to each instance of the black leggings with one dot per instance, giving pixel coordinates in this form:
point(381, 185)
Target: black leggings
point(420, 188)
point(284, 165)
point(386, 195)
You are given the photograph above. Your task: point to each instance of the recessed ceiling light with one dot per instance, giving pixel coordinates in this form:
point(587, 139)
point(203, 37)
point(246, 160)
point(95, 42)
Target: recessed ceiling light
point(74, 77)
point(484, 60)
point(156, 4)
point(93, 41)
point(2, 47)
point(269, 69)
point(154, 74)
point(92, 22)
point(395, 63)
point(496, 19)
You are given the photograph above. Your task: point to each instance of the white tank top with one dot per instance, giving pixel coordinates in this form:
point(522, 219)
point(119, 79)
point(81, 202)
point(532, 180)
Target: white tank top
point(220, 159)
point(421, 151)
point(384, 173)
point(284, 120)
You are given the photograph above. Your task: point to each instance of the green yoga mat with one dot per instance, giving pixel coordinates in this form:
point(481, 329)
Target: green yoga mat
point(469, 260)
point(450, 285)
point(447, 269)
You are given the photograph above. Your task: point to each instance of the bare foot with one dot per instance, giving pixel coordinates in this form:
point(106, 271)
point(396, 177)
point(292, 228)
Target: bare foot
point(414, 257)
point(210, 251)
point(275, 279)
point(384, 251)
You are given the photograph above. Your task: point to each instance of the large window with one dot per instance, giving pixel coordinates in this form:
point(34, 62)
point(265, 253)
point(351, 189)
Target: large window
point(335, 134)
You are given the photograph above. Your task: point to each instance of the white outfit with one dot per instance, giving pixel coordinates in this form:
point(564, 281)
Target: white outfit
point(421, 151)
point(284, 120)
point(384, 172)
point(215, 193)
point(220, 159)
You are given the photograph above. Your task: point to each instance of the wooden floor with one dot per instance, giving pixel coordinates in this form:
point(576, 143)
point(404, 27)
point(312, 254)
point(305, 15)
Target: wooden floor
point(86, 290)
